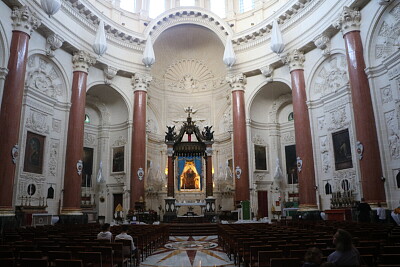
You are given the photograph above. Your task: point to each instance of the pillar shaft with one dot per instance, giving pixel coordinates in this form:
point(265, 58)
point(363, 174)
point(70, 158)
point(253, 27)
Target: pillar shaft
point(307, 196)
point(209, 180)
point(370, 164)
point(74, 153)
point(240, 153)
point(10, 114)
point(373, 190)
point(171, 173)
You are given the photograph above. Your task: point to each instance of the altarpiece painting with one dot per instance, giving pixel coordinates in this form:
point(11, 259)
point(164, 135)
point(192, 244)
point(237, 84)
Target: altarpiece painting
point(189, 173)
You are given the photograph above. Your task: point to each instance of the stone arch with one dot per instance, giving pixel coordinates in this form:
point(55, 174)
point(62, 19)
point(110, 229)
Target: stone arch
point(43, 75)
point(188, 15)
point(4, 47)
point(381, 39)
point(329, 76)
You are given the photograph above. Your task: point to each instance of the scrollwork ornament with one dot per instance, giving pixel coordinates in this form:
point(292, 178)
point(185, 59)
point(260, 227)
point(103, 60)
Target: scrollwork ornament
point(140, 174)
point(299, 163)
point(360, 150)
point(238, 172)
point(15, 153)
point(79, 167)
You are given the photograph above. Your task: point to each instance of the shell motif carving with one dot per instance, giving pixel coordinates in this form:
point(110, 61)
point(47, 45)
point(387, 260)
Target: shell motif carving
point(190, 75)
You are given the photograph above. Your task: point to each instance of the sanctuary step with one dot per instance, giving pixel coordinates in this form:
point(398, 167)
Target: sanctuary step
point(201, 229)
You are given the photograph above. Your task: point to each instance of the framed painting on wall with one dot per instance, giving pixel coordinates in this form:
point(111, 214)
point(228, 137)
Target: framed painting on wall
point(260, 157)
point(34, 149)
point(342, 150)
point(118, 159)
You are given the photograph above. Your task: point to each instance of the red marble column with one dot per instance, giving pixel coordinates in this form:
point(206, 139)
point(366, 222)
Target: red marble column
point(240, 155)
point(74, 153)
point(373, 189)
point(171, 173)
point(138, 156)
point(10, 113)
point(209, 179)
point(304, 150)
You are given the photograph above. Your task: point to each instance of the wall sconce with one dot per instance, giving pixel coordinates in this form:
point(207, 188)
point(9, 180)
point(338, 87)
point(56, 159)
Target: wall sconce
point(166, 171)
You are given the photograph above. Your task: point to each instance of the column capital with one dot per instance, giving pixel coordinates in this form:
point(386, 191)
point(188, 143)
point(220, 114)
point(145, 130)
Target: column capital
point(82, 60)
point(3, 73)
point(24, 20)
point(349, 20)
point(54, 42)
point(295, 60)
point(322, 41)
point(237, 81)
point(140, 81)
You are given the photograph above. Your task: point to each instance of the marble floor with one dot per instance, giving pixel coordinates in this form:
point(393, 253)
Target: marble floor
point(189, 251)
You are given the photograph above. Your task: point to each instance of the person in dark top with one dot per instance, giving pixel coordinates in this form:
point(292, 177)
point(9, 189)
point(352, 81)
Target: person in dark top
point(313, 257)
point(364, 210)
point(345, 253)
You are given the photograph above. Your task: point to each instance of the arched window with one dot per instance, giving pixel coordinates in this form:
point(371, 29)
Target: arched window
point(245, 5)
point(187, 3)
point(290, 116)
point(218, 7)
point(328, 188)
point(128, 5)
point(87, 119)
point(155, 8)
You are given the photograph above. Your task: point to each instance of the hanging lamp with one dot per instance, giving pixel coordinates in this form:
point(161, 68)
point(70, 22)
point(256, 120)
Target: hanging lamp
point(148, 54)
point(229, 54)
point(51, 7)
point(100, 45)
point(277, 45)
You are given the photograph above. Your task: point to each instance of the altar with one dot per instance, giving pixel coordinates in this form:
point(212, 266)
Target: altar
point(190, 208)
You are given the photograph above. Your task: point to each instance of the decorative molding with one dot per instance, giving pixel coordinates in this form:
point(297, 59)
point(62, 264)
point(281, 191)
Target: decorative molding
point(386, 94)
point(258, 140)
point(295, 60)
point(37, 122)
point(44, 76)
point(43, 108)
point(288, 138)
point(321, 122)
point(268, 72)
point(121, 141)
point(3, 73)
point(388, 40)
point(56, 125)
point(140, 81)
point(109, 74)
point(190, 75)
point(54, 155)
point(237, 81)
point(384, 2)
point(24, 20)
point(393, 136)
point(322, 41)
point(120, 179)
point(277, 104)
point(349, 20)
point(82, 60)
point(331, 75)
point(338, 118)
point(54, 42)
point(89, 139)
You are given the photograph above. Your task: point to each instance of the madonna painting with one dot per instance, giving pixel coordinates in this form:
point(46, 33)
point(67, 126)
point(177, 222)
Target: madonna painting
point(190, 178)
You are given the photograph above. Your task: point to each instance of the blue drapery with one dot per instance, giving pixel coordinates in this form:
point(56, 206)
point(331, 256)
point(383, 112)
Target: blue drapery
point(181, 165)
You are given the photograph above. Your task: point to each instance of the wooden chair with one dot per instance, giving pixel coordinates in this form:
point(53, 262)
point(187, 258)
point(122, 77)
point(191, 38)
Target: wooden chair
point(55, 255)
point(106, 256)
point(7, 262)
point(389, 258)
point(68, 263)
point(35, 254)
point(134, 258)
point(285, 262)
point(6, 254)
point(119, 257)
point(265, 256)
point(29, 262)
point(254, 253)
point(92, 259)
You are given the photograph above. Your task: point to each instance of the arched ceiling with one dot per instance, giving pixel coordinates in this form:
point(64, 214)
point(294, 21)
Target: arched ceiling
point(264, 99)
point(108, 100)
point(188, 42)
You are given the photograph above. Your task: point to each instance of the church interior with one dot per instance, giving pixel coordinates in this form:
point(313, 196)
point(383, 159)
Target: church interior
point(199, 111)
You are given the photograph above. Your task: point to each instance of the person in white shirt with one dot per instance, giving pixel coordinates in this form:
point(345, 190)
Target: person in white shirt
point(124, 235)
point(381, 213)
point(105, 232)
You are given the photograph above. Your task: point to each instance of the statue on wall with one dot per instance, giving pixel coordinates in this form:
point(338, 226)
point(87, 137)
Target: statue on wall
point(207, 134)
point(170, 134)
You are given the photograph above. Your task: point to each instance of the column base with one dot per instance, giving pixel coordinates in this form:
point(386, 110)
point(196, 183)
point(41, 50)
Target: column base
point(7, 212)
point(71, 211)
point(73, 219)
point(307, 207)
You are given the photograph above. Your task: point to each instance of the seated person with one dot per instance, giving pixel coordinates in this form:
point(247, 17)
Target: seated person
point(345, 254)
point(105, 232)
point(124, 236)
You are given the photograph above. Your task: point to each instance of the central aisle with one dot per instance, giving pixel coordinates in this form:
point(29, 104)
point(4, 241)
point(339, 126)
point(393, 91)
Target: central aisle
point(189, 251)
